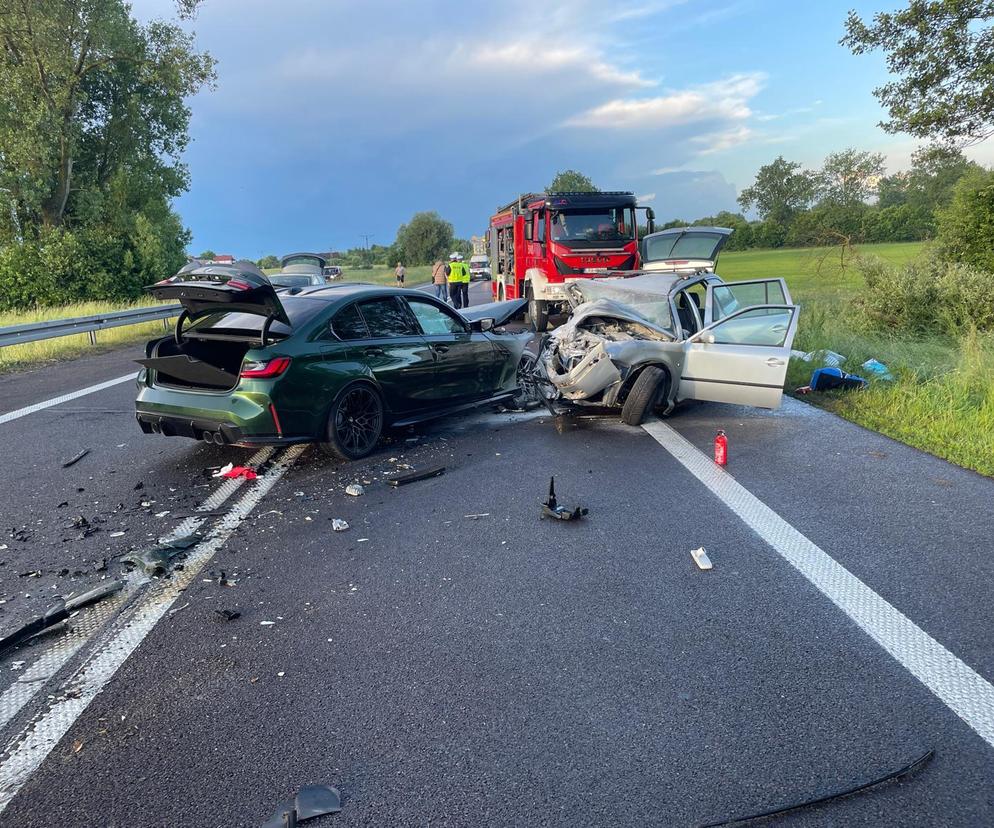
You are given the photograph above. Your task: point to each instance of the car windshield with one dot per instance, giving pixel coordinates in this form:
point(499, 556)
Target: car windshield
point(299, 311)
point(651, 305)
point(615, 224)
point(682, 246)
point(292, 281)
point(312, 261)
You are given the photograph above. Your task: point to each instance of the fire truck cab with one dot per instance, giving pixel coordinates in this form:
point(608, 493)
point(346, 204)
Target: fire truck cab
point(541, 240)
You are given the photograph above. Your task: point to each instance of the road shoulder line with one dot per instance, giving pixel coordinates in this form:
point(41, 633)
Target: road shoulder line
point(64, 398)
point(958, 686)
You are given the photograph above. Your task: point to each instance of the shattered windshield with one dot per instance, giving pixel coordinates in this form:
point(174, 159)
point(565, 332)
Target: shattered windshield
point(651, 305)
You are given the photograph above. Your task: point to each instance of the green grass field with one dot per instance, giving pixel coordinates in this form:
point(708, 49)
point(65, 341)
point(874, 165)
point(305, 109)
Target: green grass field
point(942, 399)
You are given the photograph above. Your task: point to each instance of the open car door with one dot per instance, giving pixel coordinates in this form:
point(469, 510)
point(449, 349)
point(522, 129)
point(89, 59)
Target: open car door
point(726, 298)
point(206, 289)
point(741, 358)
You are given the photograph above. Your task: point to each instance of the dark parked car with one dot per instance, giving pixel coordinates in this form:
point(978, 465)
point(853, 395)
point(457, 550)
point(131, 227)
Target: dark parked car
point(295, 280)
point(333, 364)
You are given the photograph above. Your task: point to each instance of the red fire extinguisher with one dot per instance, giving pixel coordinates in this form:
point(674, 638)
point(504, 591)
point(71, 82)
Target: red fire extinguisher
point(721, 449)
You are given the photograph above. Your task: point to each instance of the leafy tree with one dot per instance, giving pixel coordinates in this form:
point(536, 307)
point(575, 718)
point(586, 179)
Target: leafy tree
point(426, 237)
point(941, 56)
point(269, 261)
point(207, 255)
point(571, 181)
point(850, 177)
point(966, 226)
point(780, 191)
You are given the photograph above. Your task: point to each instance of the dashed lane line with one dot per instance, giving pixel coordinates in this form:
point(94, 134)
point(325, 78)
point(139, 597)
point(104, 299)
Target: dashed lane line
point(64, 398)
point(22, 756)
point(958, 686)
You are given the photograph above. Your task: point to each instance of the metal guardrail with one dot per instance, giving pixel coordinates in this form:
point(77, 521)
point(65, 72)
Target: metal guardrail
point(35, 331)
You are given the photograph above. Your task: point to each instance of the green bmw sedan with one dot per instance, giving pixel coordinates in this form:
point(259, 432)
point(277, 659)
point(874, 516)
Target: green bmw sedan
point(249, 365)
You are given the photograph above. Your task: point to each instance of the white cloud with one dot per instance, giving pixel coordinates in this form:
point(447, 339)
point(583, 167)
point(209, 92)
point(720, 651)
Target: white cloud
point(724, 100)
point(723, 140)
point(644, 199)
point(542, 58)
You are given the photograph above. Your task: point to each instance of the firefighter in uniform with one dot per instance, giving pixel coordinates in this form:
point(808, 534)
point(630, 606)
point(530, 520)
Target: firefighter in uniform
point(458, 275)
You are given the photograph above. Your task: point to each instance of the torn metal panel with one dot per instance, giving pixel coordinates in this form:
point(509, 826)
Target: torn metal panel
point(591, 374)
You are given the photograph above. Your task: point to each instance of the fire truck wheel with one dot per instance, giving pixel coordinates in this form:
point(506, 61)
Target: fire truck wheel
point(643, 396)
point(538, 314)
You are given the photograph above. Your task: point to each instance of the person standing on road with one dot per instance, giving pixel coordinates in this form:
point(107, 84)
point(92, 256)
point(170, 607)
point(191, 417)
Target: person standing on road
point(458, 275)
point(438, 280)
point(400, 273)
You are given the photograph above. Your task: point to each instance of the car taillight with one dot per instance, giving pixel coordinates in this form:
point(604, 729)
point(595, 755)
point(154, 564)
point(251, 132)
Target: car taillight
point(238, 284)
point(265, 369)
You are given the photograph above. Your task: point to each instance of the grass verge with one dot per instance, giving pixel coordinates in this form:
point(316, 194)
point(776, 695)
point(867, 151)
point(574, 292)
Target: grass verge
point(942, 397)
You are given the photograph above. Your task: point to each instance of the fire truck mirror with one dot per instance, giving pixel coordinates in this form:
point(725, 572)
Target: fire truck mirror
point(528, 225)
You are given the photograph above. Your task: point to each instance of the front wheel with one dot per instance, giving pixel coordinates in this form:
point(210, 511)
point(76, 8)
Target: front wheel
point(355, 423)
point(528, 394)
point(643, 396)
point(538, 314)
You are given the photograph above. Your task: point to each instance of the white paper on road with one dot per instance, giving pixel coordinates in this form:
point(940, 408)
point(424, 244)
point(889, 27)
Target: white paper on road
point(958, 686)
point(72, 395)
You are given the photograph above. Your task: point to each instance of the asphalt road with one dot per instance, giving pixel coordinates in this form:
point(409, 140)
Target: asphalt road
point(452, 659)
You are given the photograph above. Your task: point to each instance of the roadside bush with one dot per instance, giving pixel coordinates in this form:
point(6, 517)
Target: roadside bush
point(926, 296)
point(966, 226)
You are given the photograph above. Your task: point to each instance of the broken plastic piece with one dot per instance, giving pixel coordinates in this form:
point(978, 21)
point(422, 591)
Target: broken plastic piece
point(72, 461)
point(339, 525)
point(227, 614)
point(310, 802)
point(240, 471)
point(701, 558)
point(221, 472)
point(355, 490)
point(827, 379)
point(551, 507)
point(58, 613)
point(875, 366)
point(917, 764)
point(155, 561)
point(404, 479)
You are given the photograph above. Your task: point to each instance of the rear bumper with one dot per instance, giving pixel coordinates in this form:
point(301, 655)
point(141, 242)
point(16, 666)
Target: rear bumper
point(211, 431)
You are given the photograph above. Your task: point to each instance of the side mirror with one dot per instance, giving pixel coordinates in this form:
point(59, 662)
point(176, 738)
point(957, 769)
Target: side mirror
point(483, 325)
point(650, 217)
point(528, 225)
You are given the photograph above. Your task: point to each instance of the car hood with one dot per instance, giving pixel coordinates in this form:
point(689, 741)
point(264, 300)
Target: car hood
point(500, 312)
point(203, 290)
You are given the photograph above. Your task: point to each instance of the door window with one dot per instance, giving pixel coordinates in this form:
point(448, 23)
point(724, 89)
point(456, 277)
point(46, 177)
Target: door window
point(387, 317)
point(759, 326)
point(434, 320)
point(729, 298)
point(348, 324)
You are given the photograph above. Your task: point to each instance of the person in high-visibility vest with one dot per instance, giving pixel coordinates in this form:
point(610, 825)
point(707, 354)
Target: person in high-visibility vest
point(458, 276)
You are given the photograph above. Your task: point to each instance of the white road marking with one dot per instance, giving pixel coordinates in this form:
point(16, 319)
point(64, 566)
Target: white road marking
point(959, 687)
point(72, 395)
point(25, 753)
point(84, 625)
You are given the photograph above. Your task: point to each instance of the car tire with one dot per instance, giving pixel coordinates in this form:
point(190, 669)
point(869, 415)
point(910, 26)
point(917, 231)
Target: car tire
point(355, 422)
point(643, 396)
point(538, 314)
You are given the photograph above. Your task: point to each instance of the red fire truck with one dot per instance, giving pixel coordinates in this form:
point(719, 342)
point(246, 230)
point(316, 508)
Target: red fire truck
point(540, 240)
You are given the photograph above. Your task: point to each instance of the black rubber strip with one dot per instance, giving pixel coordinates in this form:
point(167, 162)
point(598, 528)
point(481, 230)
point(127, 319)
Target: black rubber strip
point(919, 763)
point(413, 476)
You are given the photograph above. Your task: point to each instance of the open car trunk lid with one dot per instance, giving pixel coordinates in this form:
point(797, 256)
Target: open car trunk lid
point(681, 248)
point(206, 289)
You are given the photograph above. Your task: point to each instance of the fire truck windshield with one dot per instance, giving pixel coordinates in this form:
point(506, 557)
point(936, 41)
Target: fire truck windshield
point(614, 224)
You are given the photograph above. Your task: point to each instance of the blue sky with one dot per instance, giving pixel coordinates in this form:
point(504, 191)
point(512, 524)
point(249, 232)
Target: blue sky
point(333, 119)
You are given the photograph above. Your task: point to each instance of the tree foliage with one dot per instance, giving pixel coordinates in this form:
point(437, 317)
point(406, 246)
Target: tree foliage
point(940, 54)
point(426, 237)
point(849, 178)
point(966, 226)
point(571, 181)
point(780, 190)
point(93, 122)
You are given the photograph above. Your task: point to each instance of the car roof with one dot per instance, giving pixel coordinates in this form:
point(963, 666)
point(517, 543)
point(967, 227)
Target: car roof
point(339, 291)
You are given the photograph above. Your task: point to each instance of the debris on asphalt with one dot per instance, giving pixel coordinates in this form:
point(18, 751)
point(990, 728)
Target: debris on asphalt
point(477, 517)
point(413, 477)
point(221, 472)
point(552, 509)
point(72, 461)
point(355, 490)
point(227, 614)
point(310, 802)
point(117, 534)
point(892, 776)
point(58, 613)
point(701, 558)
point(339, 525)
point(240, 471)
point(721, 449)
point(156, 561)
